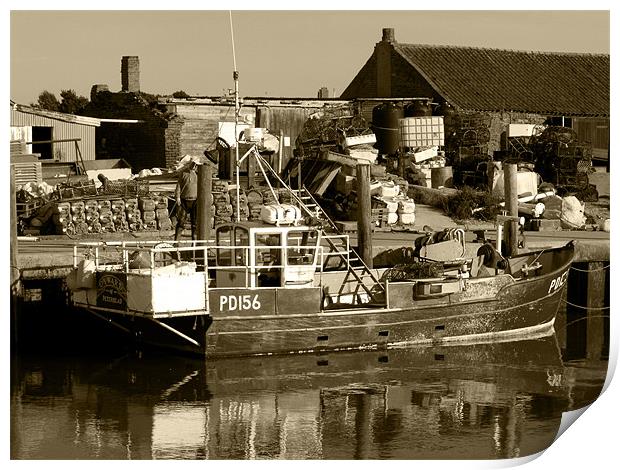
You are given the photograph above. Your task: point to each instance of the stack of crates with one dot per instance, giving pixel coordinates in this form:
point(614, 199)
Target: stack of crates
point(244, 211)
point(106, 217)
point(132, 213)
point(78, 217)
point(255, 203)
point(161, 213)
point(147, 207)
point(91, 209)
point(222, 208)
point(117, 206)
point(62, 219)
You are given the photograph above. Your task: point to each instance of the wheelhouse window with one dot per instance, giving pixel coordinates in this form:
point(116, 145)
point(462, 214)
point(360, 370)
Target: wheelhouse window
point(301, 247)
point(268, 249)
point(224, 240)
point(242, 241)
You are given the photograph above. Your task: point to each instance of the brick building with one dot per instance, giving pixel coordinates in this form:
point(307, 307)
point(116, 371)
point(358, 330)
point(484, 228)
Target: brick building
point(510, 86)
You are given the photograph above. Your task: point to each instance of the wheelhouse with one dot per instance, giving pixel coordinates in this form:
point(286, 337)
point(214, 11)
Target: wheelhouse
point(255, 255)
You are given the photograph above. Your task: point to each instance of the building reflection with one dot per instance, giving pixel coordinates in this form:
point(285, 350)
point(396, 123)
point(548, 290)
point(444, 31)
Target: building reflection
point(482, 401)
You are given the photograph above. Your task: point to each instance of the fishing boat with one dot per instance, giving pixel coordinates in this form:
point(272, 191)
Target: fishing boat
point(292, 284)
point(261, 289)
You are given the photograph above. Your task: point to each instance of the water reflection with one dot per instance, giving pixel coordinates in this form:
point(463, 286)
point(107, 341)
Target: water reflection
point(484, 401)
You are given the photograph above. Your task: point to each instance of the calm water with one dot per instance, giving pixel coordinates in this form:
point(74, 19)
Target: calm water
point(483, 401)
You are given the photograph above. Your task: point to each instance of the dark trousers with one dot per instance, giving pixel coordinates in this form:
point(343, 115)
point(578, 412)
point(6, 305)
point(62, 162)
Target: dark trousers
point(188, 207)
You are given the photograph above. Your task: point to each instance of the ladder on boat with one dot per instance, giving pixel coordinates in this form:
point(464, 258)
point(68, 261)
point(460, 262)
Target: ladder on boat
point(358, 273)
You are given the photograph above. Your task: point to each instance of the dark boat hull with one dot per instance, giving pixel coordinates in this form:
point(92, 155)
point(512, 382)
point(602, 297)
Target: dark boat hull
point(516, 310)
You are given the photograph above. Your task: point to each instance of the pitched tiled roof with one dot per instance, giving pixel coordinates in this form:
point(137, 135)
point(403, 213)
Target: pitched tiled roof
point(494, 79)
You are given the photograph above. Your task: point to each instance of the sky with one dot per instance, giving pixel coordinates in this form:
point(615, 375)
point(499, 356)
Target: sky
point(278, 53)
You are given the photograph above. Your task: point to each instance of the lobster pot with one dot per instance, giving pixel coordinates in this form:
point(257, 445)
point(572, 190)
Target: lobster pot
point(162, 214)
point(117, 205)
point(243, 199)
point(392, 218)
point(61, 219)
point(254, 197)
point(218, 220)
point(406, 218)
point(224, 210)
point(268, 197)
point(133, 215)
point(118, 217)
point(63, 208)
point(164, 223)
point(150, 225)
point(285, 196)
point(81, 228)
point(219, 186)
point(244, 211)
point(121, 225)
point(427, 131)
point(146, 204)
point(104, 205)
point(105, 217)
point(79, 218)
point(406, 207)
point(131, 204)
point(135, 225)
point(91, 206)
point(92, 217)
point(254, 211)
point(95, 227)
point(65, 229)
point(161, 202)
point(77, 207)
point(148, 216)
point(221, 198)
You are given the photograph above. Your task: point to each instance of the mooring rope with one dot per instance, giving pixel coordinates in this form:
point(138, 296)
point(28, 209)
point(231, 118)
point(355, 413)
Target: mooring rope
point(589, 270)
point(581, 306)
point(585, 318)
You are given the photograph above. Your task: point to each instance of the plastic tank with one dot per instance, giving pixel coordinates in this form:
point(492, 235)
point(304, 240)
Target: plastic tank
point(448, 113)
point(385, 126)
point(418, 108)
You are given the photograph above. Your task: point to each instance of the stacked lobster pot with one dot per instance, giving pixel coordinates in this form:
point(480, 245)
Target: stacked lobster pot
point(255, 202)
point(119, 217)
point(222, 208)
point(149, 218)
point(91, 209)
point(161, 212)
point(78, 217)
point(106, 217)
point(62, 219)
point(269, 198)
point(132, 213)
point(244, 210)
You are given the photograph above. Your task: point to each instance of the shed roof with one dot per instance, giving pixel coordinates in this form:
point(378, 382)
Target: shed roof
point(83, 120)
point(481, 79)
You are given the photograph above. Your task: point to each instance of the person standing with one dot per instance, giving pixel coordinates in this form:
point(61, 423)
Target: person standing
point(186, 193)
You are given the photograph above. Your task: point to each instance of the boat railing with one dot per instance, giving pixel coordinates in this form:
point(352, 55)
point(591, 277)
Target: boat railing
point(122, 255)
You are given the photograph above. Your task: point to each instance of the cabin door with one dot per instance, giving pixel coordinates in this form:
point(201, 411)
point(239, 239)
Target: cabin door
point(300, 260)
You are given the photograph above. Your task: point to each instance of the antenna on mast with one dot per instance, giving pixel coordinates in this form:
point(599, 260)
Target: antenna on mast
point(237, 109)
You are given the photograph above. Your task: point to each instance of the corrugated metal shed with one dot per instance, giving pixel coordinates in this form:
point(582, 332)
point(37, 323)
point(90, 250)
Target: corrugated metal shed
point(63, 126)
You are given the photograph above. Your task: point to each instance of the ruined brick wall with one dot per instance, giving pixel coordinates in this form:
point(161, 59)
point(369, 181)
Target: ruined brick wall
point(500, 122)
point(172, 138)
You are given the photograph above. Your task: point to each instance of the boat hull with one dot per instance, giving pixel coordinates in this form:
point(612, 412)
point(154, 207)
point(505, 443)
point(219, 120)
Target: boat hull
point(496, 309)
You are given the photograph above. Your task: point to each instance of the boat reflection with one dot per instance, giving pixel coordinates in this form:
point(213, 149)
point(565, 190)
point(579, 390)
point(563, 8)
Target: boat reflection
point(484, 401)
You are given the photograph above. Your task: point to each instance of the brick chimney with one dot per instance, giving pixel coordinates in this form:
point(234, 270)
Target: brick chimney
point(383, 56)
point(130, 73)
point(323, 93)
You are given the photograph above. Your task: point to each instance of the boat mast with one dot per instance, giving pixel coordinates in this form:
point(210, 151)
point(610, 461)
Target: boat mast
point(237, 110)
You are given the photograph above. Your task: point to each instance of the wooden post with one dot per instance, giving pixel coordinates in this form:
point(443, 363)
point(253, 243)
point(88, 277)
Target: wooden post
point(203, 211)
point(512, 206)
point(15, 273)
point(280, 151)
point(595, 291)
point(364, 219)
